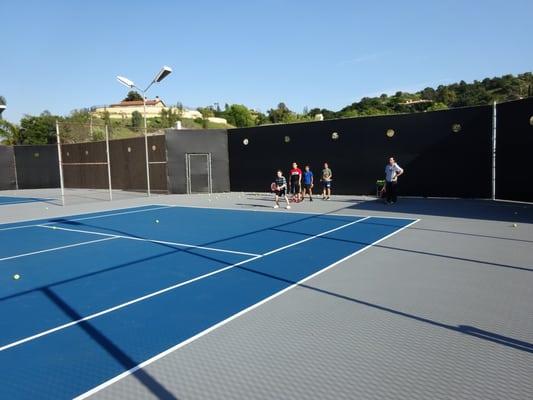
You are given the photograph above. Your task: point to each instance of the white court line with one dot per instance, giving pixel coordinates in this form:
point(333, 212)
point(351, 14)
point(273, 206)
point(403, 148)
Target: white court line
point(56, 248)
point(177, 244)
point(227, 320)
point(161, 291)
point(24, 201)
point(159, 207)
point(287, 212)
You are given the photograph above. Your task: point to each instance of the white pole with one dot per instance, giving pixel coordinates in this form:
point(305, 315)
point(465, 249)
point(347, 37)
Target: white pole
point(494, 129)
point(60, 160)
point(108, 163)
point(91, 127)
point(146, 146)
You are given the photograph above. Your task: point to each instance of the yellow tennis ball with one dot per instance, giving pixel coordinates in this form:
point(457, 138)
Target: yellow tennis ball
point(515, 225)
point(16, 277)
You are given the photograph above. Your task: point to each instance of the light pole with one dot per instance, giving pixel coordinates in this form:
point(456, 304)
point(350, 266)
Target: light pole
point(165, 71)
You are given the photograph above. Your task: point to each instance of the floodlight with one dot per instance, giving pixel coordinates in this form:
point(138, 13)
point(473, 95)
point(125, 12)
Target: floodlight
point(165, 71)
point(125, 82)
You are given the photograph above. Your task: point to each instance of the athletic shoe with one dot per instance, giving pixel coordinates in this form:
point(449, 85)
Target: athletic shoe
point(311, 199)
point(288, 207)
point(328, 198)
point(276, 206)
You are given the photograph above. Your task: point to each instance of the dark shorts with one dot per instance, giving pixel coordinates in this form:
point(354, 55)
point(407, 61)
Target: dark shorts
point(307, 186)
point(326, 184)
point(281, 192)
point(295, 188)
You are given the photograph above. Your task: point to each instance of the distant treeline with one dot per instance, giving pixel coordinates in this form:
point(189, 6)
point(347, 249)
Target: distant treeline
point(41, 129)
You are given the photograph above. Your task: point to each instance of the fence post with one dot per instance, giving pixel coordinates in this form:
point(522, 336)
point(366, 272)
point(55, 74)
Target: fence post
point(108, 162)
point(60, 160)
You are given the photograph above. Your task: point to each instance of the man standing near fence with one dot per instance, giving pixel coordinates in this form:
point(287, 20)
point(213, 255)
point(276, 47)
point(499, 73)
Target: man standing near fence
point(392, 172)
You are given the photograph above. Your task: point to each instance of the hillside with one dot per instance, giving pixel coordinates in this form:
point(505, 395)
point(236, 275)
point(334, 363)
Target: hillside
point(462, 94)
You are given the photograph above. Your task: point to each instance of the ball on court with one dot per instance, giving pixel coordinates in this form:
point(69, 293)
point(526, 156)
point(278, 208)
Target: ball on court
point(54, 227)
point(156, 221)
point(515, 225)
point(16, 277)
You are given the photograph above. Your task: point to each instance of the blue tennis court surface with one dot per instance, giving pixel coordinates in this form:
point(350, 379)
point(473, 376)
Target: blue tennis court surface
point(101, 293)
point(6, 200)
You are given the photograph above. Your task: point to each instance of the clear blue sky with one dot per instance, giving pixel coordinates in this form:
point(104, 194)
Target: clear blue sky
point(62, 55)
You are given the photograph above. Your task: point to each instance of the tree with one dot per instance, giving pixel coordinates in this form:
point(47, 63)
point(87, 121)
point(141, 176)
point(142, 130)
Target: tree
point(133, 96)
point(206, 112)
point(261, 119)
point(38, 129)
point(437, 106)
point(239, 115)
point(10, 133)
point(281, 114)
point(136, 119)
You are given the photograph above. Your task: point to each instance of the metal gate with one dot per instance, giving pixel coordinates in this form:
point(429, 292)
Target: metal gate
point(198, 169)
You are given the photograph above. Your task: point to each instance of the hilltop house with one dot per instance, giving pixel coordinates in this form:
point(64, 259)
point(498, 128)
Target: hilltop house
point(124, 109)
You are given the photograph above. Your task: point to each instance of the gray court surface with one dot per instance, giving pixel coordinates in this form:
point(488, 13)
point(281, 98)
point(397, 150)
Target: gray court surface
point(441, 310)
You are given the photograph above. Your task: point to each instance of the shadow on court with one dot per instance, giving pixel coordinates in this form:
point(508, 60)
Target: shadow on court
point(451, 208)
point(128, 363)
point(464, 329)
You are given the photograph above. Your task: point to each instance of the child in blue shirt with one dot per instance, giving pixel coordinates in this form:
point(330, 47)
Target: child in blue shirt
point(308, 182)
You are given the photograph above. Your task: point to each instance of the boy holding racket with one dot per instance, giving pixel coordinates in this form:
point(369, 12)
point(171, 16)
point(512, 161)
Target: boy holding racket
point(280, 186)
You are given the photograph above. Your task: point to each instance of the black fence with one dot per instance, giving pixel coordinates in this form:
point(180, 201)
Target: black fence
point(8, 179)
point(514, 144)
point(444, 153)
point(37, 166)
point(85, 165)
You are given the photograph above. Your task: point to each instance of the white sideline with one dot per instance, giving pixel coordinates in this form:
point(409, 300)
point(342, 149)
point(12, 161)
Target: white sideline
point(227, 320)
point(161, 291)
point(55, 248)
point(177, 244)
point(158, 207)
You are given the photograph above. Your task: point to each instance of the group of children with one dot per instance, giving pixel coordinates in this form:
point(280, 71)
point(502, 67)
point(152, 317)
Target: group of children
point(281, 186)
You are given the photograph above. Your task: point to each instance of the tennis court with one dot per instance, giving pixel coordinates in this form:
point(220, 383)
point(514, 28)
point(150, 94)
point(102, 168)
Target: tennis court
point(7, 200)
point(101, 293)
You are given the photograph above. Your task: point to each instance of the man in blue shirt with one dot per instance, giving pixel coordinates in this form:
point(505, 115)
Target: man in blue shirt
point(308, 183)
